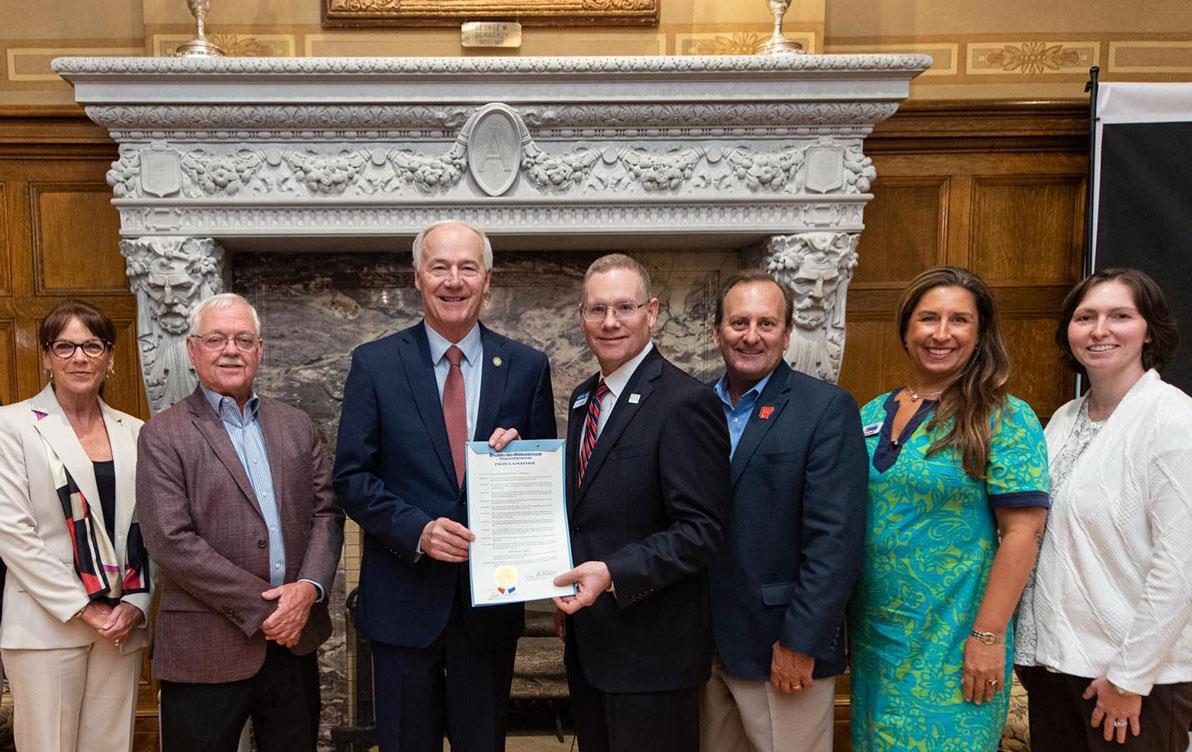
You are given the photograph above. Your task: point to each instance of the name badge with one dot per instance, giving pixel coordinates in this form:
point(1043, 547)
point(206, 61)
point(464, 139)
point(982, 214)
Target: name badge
point(580, 401)
point(873, 429)
point(635, 398)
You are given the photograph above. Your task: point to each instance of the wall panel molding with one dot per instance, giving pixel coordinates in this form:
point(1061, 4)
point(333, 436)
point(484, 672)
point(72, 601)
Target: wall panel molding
point(8, 356)
point(5, 245)
point(75, 239)
point(1027, 230)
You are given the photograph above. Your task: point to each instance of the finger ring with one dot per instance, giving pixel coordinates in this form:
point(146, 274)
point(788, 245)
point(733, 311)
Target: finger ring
point(991, 682)
point(117, 643)
point(1119, 723)
point(796, 686)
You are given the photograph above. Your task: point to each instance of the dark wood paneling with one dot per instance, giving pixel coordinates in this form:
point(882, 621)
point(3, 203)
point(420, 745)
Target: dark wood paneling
point(873, 358)
point(1037, 376)
point(76, 239)
point(1026, 230)
point(905, 228)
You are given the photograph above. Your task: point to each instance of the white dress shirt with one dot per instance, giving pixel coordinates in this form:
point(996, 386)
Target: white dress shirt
point(616, 383)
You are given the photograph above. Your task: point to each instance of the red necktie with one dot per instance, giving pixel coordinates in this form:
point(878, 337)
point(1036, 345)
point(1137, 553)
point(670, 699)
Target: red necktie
point(455, 412)
point(591, 424)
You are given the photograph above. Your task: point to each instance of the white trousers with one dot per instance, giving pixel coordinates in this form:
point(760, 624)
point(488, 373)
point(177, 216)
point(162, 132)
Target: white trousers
point(73, 699)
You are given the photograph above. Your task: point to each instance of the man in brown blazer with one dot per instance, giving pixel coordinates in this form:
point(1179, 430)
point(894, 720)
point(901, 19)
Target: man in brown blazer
point(237, 512)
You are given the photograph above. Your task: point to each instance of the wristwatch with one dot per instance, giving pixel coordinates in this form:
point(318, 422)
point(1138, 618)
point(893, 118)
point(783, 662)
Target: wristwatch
point(986, 638)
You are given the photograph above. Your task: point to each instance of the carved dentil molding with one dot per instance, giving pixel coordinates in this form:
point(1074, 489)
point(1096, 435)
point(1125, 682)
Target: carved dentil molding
point(817, 268)
point(170, 276)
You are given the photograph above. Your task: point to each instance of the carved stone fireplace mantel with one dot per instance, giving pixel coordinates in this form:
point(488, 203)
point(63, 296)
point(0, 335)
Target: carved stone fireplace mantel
point(295, 153)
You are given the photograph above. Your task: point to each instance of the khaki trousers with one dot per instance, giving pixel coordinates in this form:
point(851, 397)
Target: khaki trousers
point(73, 699)
point(751, 716)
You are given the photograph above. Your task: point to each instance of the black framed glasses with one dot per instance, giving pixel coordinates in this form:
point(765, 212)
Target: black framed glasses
point(65, 349)
point(218, 341)
point(621, 311)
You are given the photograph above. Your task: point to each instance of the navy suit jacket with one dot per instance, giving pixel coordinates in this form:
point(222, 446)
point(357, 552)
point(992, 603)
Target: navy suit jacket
point(800, 485)
point(652, 506)
point(394, 473)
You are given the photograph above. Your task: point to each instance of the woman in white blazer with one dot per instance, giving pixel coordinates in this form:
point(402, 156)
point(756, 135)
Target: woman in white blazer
point(76, 596)
point(1105, 629)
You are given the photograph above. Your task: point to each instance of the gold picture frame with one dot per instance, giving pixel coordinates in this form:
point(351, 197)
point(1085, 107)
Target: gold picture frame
point(455, 12)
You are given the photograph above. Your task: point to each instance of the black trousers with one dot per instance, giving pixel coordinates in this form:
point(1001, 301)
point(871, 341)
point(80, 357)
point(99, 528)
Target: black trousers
point(451, 686)
point(1060, 716)
point(282, 699)
point(631, 721)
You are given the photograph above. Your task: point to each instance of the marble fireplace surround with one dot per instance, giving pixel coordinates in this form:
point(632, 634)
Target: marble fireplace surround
point(279, 155)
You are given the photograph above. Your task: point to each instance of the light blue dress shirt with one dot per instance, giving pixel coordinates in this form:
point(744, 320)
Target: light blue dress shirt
point(472, 367)
point(244, 429)
point(737, 416)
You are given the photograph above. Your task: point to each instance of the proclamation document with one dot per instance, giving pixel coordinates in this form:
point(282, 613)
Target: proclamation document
point(517, 507)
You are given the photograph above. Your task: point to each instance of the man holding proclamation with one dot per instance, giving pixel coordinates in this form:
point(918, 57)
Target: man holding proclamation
point(782, 580)
point(648, 498)
point(411, 401)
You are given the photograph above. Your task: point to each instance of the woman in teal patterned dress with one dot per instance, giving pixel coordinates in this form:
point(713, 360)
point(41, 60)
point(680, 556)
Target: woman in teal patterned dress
point(955, 465)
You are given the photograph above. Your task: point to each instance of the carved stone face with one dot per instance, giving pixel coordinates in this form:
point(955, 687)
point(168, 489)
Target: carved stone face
point(814, 283)
point(172, 290)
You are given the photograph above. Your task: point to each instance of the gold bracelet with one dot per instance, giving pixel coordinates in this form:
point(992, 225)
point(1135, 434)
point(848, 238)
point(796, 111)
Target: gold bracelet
point(986, 638)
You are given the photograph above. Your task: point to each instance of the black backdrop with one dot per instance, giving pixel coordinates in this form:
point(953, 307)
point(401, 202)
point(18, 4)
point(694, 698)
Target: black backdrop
point(1144, 217)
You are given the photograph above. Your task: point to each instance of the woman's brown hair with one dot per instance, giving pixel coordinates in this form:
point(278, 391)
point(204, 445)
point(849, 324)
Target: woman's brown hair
point(969, 402)
point(1151, 305)
point(91, 317)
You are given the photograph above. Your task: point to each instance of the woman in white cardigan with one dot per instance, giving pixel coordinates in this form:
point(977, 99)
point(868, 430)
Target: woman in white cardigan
point(76, 597)
point(1104, 642)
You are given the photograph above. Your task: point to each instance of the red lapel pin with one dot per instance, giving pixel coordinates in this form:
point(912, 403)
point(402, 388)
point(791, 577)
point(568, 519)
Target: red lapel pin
point(765, 411)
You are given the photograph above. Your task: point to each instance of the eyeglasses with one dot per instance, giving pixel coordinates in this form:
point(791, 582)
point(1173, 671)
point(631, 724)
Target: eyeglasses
point(621, 311)
point(65, 349)
point(217, 341)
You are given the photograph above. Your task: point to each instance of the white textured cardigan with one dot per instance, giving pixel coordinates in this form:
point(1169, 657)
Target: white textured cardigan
point(1113, 591)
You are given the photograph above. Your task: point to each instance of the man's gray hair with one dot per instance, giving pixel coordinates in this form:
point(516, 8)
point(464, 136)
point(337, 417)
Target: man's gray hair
point(221, 302)
point(421, 238)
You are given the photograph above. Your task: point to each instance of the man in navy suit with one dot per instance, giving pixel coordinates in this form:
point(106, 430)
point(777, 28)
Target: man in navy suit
point(781, 582)
point(410, 401)
point(648, 496)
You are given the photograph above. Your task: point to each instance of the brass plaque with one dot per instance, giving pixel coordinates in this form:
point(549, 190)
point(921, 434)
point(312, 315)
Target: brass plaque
point(526, 12)
point(490, 34)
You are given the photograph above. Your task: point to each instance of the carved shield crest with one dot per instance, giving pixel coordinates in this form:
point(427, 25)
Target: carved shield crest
point(161, 173)
point(825, 168)
point(494, 151)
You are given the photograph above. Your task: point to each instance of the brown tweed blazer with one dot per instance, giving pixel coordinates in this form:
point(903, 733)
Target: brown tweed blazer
point(205, 532)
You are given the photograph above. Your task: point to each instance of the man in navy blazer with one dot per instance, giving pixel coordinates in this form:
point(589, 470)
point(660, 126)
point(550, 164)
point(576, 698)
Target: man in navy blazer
point(440, 665)
point(784, 575)
point(648, 494)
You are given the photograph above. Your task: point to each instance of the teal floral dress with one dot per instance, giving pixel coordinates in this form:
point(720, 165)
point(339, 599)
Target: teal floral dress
point(930, 544)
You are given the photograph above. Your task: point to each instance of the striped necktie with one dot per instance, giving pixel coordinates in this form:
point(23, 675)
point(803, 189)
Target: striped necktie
point(591, 425)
